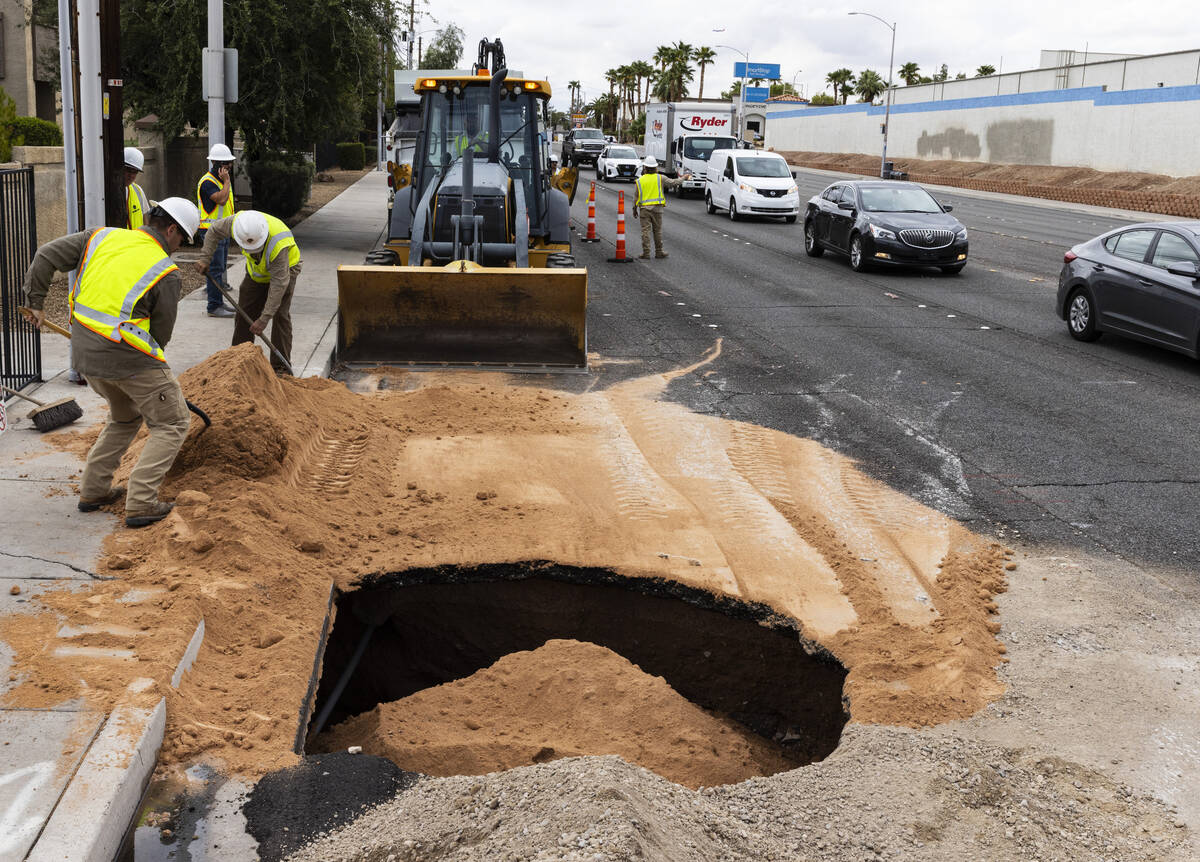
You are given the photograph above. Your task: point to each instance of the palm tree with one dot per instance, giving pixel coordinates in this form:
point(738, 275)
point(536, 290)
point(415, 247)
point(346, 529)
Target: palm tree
point(910, 73)
point(611, 77)
point(704, 56)
point(642, 71)
point(662, 56)
point(573, 86)
point(985, 70)
point(843, 80)
point(605, 107)
point(869, 85)
point(627, 80)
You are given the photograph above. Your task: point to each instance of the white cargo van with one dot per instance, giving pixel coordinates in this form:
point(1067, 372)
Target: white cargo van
point(750, 183)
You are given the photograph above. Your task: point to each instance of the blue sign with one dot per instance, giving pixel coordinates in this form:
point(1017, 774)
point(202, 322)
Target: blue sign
point(766, 71)
point(757, 94)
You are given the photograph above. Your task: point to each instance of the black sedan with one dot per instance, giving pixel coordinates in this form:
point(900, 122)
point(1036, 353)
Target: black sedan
point(1141, 281)
point(884, 222)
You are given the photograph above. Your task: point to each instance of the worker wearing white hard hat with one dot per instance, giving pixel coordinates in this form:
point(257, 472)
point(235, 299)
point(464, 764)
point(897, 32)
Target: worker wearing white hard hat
point(136, 203)
point(650, 202)
point(272, 267)
point(123, 303)
point(214, 197)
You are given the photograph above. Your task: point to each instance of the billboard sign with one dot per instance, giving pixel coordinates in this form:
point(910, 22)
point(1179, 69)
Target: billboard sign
point(766, 71)
point(757, 94)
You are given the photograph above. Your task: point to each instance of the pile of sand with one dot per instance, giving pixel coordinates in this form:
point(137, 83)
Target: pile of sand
point(301, 485)
point(564, 699)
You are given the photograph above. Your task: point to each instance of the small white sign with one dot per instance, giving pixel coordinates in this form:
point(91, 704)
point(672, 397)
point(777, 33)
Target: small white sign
point(3, 418)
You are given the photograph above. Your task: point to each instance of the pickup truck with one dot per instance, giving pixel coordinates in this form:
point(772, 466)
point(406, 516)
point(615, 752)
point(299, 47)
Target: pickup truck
point(582, 146)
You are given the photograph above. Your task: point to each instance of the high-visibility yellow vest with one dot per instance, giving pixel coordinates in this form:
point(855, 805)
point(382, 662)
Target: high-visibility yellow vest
point(135, 200)
point(650, 191)
point(119, 266)
point(461, 142)
point(218, 210)
point(279, 237)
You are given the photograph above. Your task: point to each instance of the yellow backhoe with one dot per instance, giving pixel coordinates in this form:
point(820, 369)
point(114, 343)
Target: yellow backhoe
point(477, 269)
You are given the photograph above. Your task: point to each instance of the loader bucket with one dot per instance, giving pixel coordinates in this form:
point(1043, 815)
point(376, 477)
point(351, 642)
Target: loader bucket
point(463, 315)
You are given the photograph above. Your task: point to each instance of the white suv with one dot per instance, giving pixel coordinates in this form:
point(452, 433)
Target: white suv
point(751, 182)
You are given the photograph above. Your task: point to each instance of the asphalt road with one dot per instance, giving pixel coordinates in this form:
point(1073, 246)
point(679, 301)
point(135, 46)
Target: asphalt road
point(965, 391)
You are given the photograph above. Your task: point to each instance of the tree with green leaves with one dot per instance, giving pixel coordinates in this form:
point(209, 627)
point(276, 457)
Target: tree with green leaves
point(869, 85)
point(942, 74)
point(605, 109)
point(704, 56)
point(573, 87)
point(909, 73)
point(842, 80)
point(643, 72)
point(445, 50)
point(820, 99)
point(985, 70)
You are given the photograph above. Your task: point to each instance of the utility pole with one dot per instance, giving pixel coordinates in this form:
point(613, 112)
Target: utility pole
point(215, 72)
point(67, 74)
point(115, 211)
point(91, 129)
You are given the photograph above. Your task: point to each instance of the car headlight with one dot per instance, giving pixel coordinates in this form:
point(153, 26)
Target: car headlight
point(962, 234)
point(745, 187)
point(792, 190)
point(881, 232)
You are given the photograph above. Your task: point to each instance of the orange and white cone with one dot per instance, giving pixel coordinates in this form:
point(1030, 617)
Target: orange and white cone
point(591, 231)
point(620, 258)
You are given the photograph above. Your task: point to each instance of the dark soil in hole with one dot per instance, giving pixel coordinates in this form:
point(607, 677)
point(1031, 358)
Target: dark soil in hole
point(739, 661)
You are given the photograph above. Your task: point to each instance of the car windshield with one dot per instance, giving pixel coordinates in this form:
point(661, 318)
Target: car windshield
point(621, 153)
point(590, 134)
point(701, 148)
point(750, 167)
point(879, 199)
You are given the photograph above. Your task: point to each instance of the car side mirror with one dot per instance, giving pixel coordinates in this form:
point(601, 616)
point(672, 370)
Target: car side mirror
point(1186, 268)
point(845, 205)
point(947, 208)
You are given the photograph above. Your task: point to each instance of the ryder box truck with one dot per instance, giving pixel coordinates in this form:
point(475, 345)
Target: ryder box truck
point(682, 136)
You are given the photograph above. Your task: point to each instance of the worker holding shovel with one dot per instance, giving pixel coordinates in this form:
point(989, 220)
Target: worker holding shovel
point(123, 306)
point(265, 294)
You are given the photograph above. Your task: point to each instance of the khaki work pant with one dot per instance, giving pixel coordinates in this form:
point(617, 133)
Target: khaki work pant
point(252, 297)
point(651, 219)
point(155, 397)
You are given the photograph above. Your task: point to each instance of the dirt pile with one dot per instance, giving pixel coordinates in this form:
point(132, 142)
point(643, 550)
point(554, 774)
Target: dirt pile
point(302, 485)
point(564, 699)
point(1157, 193)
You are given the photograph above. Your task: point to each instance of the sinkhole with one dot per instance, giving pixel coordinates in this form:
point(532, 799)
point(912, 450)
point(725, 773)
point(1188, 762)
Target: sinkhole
point(399, 636)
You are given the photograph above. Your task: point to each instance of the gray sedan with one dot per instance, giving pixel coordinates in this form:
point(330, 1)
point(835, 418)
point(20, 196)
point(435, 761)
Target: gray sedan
point(1140, 281)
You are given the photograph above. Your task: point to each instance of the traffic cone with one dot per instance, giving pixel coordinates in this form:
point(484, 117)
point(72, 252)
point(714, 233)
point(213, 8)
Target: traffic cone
point(591, 231)
point(620, 258)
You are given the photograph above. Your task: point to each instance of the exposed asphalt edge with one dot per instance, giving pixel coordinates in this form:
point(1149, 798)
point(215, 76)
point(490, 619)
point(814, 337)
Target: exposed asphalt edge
point(95, 811)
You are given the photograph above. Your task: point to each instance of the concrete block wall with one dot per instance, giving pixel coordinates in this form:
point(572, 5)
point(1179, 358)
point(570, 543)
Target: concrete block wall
point(1147, 129)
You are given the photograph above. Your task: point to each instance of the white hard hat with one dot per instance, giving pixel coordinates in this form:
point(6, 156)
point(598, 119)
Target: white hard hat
point(650, 162)
point(184, 213)
point(134, 158)
point(220, 153)
point(250, 230)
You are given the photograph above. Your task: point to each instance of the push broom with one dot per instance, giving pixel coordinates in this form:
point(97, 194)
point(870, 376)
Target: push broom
point(47, 417)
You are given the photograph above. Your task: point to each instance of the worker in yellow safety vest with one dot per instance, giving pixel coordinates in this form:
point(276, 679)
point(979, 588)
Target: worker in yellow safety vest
point(214, 197)
point(650, 202)
point(135, 199)
point(123, 305)
point(272, 267)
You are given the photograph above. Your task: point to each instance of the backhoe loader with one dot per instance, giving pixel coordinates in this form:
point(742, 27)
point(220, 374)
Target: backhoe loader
point(477, 268)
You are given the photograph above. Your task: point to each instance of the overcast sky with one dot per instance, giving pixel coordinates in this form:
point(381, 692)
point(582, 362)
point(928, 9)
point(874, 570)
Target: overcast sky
point(574, 41)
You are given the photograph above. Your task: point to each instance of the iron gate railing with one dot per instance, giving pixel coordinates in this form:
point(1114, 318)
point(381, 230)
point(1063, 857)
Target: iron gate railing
point(20, 345)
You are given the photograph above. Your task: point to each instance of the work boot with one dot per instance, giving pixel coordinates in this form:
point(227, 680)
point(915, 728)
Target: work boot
point(149, 516)
point(644, 256)
point(662, 254)
point(115, 493)
point(222, 311)
point(75, 377)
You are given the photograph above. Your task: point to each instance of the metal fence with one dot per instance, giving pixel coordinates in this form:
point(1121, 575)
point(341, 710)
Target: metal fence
point(20, 346)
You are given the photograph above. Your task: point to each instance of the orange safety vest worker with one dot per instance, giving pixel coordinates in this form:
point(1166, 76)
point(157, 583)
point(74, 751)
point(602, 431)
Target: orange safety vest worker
point(119, 266)
point(279, 237)
point(135, 200)
point(218, 210)
point(650, 191)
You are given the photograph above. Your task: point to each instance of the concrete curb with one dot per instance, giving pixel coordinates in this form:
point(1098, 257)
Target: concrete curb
point(91, 818)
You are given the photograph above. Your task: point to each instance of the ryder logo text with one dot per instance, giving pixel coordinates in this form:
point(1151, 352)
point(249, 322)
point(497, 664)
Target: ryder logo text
point(699, 124)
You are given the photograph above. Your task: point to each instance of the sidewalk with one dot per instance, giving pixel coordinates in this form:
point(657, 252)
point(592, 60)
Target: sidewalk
point(71, 778)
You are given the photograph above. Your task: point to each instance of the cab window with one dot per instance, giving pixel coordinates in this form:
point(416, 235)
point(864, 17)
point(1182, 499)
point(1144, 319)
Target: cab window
point(1132, 244)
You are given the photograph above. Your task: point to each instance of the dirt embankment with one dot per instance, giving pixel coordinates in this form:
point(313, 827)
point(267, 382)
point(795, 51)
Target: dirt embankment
point(1152, 193)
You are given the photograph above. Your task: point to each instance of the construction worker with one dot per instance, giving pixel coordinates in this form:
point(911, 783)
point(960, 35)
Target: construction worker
point(650, 202)
point(123, 306)
point(135, 198)
point(214, 197)
point(272, 267)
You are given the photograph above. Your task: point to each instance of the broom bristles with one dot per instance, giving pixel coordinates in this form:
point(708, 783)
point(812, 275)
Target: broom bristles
point(56, 415)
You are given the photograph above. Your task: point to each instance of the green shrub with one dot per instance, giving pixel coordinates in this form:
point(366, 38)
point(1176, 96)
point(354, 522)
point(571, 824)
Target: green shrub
point(372, 155)
point(35, 132)
point(351, 156)
point(280, 183)
point(8, 113)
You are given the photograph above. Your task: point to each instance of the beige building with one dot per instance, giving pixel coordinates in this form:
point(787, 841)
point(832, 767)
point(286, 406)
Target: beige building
point(28, 61)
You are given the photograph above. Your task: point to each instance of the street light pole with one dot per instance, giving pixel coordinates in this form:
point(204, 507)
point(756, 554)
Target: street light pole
point(794, 77)
point(742, 93)
point(887, 111)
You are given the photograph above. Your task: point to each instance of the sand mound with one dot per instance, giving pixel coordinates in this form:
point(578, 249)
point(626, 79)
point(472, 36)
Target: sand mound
point(564, 699)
